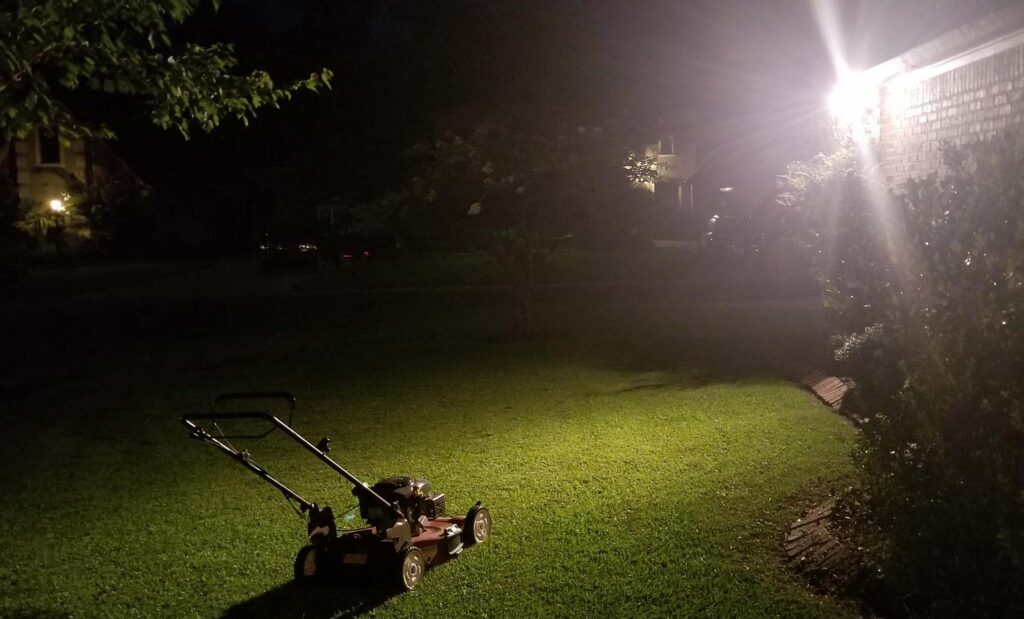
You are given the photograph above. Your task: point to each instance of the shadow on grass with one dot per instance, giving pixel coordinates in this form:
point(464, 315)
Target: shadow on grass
point(646, 387)
point(311, 600)
point(701, 361)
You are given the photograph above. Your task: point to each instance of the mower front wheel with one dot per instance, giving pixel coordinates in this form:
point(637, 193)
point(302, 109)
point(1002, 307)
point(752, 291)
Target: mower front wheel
point(477, 526)
point(305, 563)
point(412, 566)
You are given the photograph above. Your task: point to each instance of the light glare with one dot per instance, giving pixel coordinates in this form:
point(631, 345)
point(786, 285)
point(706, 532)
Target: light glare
point(854, 96)
point(57, 205)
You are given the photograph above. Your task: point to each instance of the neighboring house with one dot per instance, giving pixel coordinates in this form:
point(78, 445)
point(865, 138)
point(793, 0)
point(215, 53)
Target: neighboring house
point(696, 180)
point(336, 214)
point(673, 223)
point(677, 164)
point(963, 85)
point(49, 176)
point(46, 170)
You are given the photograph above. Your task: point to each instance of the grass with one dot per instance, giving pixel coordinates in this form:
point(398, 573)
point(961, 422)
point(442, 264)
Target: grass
point(623, 478)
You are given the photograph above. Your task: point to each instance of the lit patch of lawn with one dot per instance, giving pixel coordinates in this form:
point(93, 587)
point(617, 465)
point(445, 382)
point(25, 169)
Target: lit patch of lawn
point(614, 491)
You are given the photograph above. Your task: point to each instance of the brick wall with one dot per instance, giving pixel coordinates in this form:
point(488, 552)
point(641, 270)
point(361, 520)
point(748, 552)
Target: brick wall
point(962, 86)
point(968, 102)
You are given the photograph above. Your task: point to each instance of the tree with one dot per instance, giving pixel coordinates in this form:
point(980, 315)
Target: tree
point(516, 192)
point(14, 243)
point(49, 48)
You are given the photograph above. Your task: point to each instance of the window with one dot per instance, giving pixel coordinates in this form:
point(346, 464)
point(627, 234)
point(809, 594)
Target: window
point(666, 146)
point(49, 148)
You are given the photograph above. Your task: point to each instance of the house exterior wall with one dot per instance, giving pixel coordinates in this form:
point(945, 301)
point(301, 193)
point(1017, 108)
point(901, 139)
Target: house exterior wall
point(675, 171)
point(680, 165)
point(962, 86)
point(40, 183)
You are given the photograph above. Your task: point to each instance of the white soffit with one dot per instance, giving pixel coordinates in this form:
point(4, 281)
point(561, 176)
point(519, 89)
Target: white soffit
point(986, 50)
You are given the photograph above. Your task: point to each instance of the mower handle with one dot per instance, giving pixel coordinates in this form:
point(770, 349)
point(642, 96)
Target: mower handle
point(249, 395)
point(242, 457)
point(276, 424)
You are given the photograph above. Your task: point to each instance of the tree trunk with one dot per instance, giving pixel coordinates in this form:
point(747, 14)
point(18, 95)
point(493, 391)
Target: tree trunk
point(523, 291)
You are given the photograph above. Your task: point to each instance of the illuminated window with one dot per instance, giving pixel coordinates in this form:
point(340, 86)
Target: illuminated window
point(49, 148)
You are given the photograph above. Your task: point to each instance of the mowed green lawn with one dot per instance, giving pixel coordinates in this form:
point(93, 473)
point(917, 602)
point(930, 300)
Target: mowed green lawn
point(618, 487)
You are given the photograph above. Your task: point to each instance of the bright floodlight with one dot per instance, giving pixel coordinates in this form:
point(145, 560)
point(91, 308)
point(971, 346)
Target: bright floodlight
point(57, 205)
point(854, 96)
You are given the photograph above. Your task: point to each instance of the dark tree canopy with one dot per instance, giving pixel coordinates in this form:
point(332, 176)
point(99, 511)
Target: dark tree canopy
point(517, 189)
point(51, 48)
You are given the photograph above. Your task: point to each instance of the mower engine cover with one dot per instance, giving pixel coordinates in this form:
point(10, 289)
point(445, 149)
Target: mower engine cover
point(412, 496)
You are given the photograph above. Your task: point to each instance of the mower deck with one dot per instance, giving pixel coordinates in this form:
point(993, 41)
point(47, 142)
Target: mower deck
point(360, 553)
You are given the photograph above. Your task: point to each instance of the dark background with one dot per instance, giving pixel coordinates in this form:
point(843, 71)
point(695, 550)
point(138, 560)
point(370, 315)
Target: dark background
point(756, 72)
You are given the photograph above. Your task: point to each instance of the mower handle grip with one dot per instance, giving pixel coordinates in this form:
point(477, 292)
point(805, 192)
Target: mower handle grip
point(256, 395)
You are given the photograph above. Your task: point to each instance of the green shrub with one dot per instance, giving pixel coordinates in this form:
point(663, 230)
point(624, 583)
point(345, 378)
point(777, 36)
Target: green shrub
point(925, 294)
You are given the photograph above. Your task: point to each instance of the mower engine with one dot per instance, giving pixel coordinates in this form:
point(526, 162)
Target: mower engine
point(411, 496)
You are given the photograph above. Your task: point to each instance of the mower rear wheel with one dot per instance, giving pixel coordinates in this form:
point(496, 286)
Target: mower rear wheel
point(412, 566)
point(305, 563)
point(477, 526)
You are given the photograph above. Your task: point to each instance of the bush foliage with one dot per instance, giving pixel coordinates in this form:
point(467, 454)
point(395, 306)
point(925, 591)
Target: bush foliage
point(925, 293)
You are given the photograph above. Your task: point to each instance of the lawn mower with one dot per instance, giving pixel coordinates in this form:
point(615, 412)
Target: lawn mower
point(406, 533)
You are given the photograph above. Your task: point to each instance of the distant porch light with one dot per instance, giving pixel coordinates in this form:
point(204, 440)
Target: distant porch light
point(726, 189)
point(57, 205)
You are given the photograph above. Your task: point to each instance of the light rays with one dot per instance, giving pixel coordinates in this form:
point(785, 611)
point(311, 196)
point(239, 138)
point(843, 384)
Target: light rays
point(855, 105)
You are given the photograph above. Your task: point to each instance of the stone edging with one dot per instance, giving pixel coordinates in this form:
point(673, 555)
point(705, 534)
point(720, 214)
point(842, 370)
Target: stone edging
point(829, 389)
point(810, 545)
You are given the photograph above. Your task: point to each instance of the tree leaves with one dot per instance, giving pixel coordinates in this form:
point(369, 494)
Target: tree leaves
point(124, 47)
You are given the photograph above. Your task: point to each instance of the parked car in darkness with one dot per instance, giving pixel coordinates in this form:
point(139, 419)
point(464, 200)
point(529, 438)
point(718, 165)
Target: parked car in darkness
point(284, 253)
point(731, 240)
point(360, 246)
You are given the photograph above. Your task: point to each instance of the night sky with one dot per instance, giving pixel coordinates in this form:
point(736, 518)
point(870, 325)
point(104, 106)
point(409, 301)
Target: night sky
point(754, 70)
